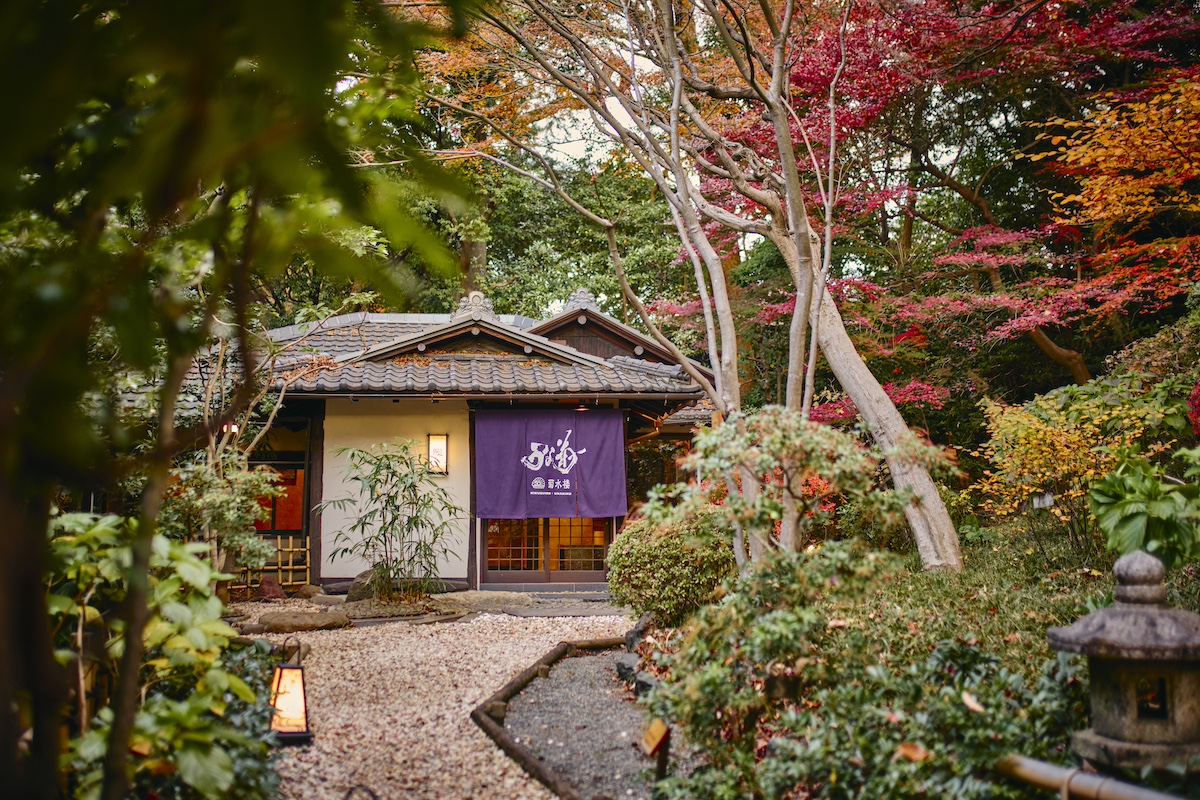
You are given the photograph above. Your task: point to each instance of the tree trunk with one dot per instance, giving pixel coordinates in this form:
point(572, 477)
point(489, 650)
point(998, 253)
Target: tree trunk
point(33, 687)
point(1071, 359)
point(937, 541)
point(473, 262)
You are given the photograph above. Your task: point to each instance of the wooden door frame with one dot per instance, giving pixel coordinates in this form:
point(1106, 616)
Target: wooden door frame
point(546, 575)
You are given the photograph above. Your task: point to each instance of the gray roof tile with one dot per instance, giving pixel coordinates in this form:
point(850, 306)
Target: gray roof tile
point(353, 349)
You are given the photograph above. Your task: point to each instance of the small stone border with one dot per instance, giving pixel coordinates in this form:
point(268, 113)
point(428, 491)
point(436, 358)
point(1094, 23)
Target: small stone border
point(489, 715)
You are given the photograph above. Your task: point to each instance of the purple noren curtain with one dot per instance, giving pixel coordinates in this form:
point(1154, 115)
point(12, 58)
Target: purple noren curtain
point(531, 464)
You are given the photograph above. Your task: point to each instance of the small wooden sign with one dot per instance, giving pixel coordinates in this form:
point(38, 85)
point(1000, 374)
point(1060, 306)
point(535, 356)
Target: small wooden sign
point(654, 737)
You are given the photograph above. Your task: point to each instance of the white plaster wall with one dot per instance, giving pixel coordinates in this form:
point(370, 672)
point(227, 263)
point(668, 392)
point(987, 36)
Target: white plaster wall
point(370, 421)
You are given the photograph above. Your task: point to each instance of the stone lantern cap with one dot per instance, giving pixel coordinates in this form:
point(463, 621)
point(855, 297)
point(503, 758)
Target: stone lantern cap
point(1138, 626)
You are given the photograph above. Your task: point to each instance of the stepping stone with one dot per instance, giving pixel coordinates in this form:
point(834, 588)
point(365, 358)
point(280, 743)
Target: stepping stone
point(294, 621)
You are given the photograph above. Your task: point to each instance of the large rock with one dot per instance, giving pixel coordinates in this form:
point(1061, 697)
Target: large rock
point(328, 599)
point(638, 632)
point(359, 588)
point(269, 589)
point(375, 609)
point(643, 683)
point(309, 591)
point(293, 621)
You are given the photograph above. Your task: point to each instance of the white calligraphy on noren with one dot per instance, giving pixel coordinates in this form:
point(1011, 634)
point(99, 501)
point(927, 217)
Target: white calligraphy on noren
point(561, 457)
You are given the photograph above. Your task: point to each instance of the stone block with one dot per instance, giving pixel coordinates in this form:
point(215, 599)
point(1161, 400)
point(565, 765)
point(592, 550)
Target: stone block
point(359, 589)
point(627, 666)
point(643, 683)
point(294, 621)
point(638, 631)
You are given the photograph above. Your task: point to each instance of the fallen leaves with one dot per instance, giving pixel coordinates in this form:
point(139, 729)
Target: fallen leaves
point(911, 751)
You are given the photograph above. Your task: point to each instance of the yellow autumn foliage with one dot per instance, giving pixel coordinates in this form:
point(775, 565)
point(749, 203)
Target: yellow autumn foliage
point(1059, 445)
point(1135, 156)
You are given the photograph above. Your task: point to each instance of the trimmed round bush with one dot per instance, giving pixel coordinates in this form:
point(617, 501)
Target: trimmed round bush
point(669, 569)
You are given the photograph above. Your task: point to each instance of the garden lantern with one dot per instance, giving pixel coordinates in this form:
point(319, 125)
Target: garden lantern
point(290, 721)
point(1144, 661)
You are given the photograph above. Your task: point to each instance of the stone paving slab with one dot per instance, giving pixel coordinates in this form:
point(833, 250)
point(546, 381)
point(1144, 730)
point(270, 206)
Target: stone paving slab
point(584, 609)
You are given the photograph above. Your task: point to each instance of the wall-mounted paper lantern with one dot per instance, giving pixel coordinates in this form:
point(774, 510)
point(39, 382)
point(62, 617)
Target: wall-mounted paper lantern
point(439, 453)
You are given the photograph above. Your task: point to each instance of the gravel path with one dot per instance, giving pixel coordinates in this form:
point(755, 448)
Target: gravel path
point(583, 725)
point(390, 707)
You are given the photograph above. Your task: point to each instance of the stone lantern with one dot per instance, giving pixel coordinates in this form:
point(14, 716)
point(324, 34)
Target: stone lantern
point(1144, 660)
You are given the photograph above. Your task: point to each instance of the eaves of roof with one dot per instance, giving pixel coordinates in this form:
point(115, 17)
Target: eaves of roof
point(493, 376)
point(452, 328)
point(616, 326)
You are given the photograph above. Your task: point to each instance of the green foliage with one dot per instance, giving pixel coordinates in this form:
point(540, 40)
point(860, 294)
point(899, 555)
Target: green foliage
point(801, 467)
point(671, 569)
point(1064, 441)
point(220, 507)
point(403, 518)
point(933, 729)
point(864, 520)
point(1140, 507)
point(203, 728)
point(161, 160)
point(768, 626)
point(1172, 351)
point(839, 672)
point(184, 749)
point(539, 250)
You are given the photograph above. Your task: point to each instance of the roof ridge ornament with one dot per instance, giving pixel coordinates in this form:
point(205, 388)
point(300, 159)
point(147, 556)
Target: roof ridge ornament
point(581, 300)
point(475, 306)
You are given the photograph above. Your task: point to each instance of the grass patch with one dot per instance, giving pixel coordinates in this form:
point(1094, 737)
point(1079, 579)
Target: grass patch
point(1011, 589)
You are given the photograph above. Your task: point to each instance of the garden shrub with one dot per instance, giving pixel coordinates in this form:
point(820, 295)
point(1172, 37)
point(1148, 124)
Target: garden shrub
point(767, 626)
point(805, 681)
point(800, 470)
point(932, 729)
point(890, 531)
point(202, 729)
point(1061, 443)
point(219, 505)
point(1172, 351)
point(1140, 506)
point(884, 531)
point(670, 569)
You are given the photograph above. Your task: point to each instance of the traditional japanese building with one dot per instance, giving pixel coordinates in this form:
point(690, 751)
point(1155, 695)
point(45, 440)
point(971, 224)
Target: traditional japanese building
point(532, 422)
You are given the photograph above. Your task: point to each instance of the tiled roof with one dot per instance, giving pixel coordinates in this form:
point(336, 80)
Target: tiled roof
point(377, 354)
point(700, 413)
point(474, 374)
point(352, 333)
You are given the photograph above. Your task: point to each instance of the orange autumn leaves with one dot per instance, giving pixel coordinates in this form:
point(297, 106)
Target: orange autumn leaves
point(1136, 156)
